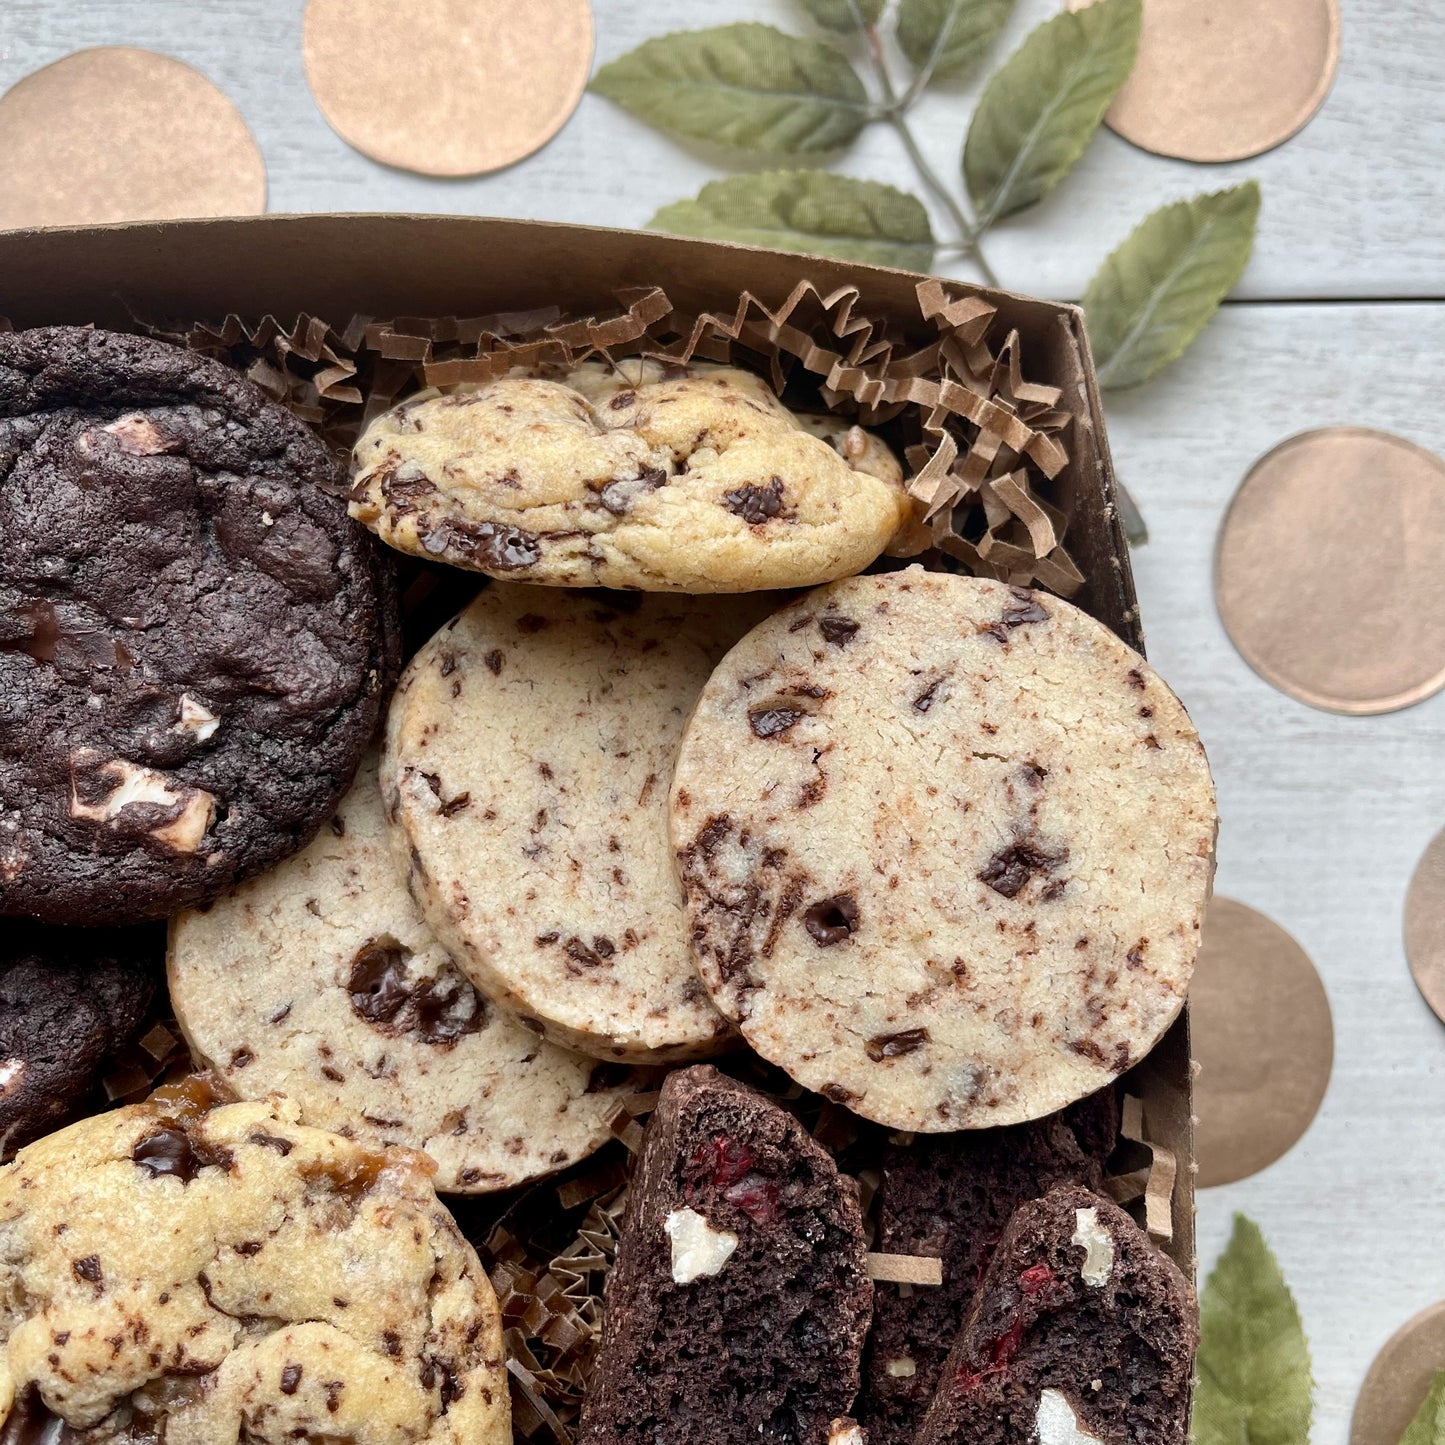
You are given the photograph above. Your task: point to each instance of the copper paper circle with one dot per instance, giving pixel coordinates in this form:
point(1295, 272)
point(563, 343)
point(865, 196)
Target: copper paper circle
point(1425, 925)
point(1222, 80)
point(117, 134)
point(448, 87)
point(1264, 1040)
point(1399, 1380)
point(1328, 575)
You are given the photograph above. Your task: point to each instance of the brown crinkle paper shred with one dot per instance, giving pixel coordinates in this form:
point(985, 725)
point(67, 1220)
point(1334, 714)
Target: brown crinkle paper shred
point(982, 444)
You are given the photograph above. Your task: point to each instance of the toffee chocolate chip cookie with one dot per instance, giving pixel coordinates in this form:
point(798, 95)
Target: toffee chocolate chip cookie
point(946, 845)
point(529, 748)
point(695, 481)
point(206, 1276)
point(194, 638)
point(320, 981)
point(1082, 1334)
point(950, 1196)
point(68, 1000)
point(739, 1300)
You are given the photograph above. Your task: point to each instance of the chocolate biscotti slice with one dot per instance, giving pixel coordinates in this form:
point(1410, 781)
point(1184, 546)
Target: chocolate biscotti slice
point(1082, 1334)
point(951, 1196)
point(738, 1305)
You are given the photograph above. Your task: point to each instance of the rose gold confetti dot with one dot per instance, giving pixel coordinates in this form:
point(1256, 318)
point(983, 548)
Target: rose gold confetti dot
point(117, 134)
point(1264, 1039)
point(448, 87)
point(1425, 925)
point(1399, 1380)
point(1327, 575)
point(1222, 80)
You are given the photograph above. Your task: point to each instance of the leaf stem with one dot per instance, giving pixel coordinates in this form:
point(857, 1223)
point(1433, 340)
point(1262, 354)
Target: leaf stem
point(894, 112)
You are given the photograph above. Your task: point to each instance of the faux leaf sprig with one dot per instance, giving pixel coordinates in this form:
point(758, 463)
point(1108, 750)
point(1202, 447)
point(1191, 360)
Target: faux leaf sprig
point(1254, 1362)
point(755, 88)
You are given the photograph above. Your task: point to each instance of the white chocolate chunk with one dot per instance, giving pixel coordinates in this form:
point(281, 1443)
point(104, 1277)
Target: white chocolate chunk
point(846, 1432)
point(11, 1072)
point(196, 719)
point(1098, 1247)
point(697, 1248)
point(137, 434)
point(904, 1369)
point(144, 785)
point(1056, 1423)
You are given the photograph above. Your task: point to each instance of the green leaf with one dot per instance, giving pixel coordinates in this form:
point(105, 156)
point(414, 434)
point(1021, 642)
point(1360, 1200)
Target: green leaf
point(1254, 1364)
point(945, 37)
point(748, 86)
point(814, 211)
point(1428, 1426)
point(1158, 291)
point(843, 15)
point(1040, 111)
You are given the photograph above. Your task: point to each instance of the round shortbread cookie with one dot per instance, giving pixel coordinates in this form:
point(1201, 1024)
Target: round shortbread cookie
point(201, 1275)
point(529, 748)
point(946, 845)
point(698, 480)
point(321, 981)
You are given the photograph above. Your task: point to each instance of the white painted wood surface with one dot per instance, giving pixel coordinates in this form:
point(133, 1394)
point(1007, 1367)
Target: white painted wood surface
point(1324, 816)
point(1352, 204)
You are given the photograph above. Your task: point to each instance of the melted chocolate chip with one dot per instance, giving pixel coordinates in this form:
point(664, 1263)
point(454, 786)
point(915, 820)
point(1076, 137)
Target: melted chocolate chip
point(42, 632)
point(928, 696)
point(1023, 609)
point(290, 1379)
point(169, 1151)
point(756, 505)
point(771, 722)
point(1011, 868)
point(893, 1046)
point(378, 981)
point(272, 1141)
point(831, 920)
point(502, 549)
point(437, 1010)
point(840, 631)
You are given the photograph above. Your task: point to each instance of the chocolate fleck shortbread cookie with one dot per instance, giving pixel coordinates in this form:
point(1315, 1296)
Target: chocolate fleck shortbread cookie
point(194, 637)
point(738, 1303)
point(530, 745)
point(1082, 1334)
point(68, 999)
point(950, 1196)
point(693, 481)
point(207, 1276)
point(946, 846)
point(320, 981)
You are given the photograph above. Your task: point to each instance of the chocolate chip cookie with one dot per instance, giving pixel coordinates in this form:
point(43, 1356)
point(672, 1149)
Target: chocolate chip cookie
point(946, 846)
point(738, 1304)
point(320, 981)
point(1082, 1332)
point(68, 1000)
point(530, 744)
point(206, 1276)
point(696, 480)
point(194, 638)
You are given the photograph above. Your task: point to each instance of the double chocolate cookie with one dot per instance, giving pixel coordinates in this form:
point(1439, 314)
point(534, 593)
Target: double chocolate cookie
point(946, 846)
point(68, 1000)
point(738, 1304)
point(194, 638)
point(1082, 1334)
point(951, 1196)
